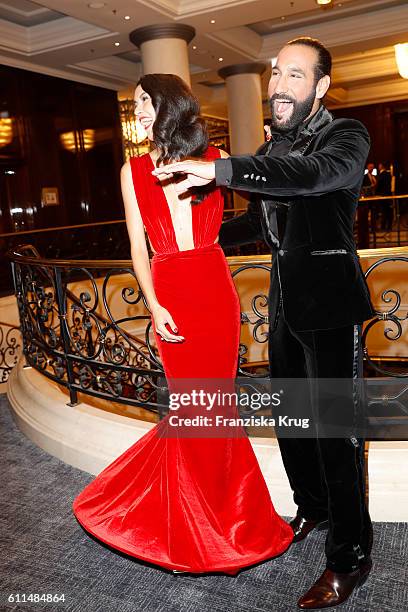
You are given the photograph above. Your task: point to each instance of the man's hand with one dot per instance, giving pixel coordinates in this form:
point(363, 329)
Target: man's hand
point(197, 174)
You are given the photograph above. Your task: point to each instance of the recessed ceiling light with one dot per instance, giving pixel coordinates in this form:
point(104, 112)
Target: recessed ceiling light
point(323, 2)
point(194, 47)
point(212, 21)
point(117, 44)
point(96, 5)
point(220, 59)
point(283, 18)
point(127, 17)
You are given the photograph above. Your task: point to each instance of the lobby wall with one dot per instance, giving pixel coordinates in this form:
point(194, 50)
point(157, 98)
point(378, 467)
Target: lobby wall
point(387, 124)
point(60, 152)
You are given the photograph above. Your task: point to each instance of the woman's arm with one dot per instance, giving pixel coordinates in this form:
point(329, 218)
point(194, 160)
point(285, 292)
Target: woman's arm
point(140, 257)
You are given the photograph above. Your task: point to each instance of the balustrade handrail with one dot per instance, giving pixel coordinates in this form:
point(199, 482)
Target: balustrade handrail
point(233, 260)
point(61, 227)
point(36, 257)
point(66, 338)
point(374, 198)
point(112, 222)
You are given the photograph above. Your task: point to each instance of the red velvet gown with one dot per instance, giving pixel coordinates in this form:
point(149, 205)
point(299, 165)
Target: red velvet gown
point(189, 504)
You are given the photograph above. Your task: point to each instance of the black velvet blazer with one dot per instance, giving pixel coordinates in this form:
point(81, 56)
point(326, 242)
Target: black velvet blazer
point(314, 189)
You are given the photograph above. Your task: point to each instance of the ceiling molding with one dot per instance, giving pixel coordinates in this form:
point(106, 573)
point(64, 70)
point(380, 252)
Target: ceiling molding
point(358, 66)
point(375, 93)
point(38, 14)
point(340, 32)
point(314, 16)
point(79, 45)
point(64, 33)
point(190, 8)
point(49, 36)
point(111, 68)
point(169, 8)
point(35, 10)
point(56, 72)
point(179, 9)
point(241, 39)
point(13, 37)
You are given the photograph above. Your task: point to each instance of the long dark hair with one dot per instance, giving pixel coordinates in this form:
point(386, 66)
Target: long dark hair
point(178, 131)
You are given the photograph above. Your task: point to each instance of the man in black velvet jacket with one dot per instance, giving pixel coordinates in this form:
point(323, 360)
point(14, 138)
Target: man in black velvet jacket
point(307, 187)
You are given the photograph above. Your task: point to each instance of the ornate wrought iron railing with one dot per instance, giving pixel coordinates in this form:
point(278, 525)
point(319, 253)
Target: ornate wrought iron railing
point(72, 335)
point(396, 234)
point(392, 316)
point(10, 346)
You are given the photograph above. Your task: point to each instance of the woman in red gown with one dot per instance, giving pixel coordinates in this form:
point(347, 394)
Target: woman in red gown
point(189, 504)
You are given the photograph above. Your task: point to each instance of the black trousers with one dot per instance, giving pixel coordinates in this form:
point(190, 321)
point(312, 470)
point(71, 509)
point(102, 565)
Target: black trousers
point(325, 474)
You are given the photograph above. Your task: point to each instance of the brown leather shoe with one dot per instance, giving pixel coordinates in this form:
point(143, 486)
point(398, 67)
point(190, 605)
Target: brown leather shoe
point(333, 588)
point(302, 527)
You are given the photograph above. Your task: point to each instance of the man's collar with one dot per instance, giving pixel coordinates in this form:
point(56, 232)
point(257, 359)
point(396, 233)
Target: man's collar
point(313, 124)
point(278, 136)
point(316, 122)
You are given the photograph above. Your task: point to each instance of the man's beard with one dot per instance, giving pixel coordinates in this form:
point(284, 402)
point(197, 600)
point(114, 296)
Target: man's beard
point(301, 110)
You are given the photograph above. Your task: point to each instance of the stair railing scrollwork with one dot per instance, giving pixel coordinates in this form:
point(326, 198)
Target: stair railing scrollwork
point(75, 337)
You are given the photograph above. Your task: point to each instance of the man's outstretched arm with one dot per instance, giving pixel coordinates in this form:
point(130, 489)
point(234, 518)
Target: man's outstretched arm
point(339, 164)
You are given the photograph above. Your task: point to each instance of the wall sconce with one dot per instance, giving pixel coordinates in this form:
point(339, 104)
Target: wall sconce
point(6, 131)
point(70, 142)
point(401, 57)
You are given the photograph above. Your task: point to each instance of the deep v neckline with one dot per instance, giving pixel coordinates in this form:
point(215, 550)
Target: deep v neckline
point(168, 210)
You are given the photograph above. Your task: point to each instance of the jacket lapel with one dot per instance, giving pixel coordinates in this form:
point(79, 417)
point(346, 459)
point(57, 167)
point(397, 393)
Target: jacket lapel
point(302, 141)
point(319, 120)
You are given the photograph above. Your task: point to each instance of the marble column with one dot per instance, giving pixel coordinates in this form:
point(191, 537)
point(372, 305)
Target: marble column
point(164, 48)
point(244, 95)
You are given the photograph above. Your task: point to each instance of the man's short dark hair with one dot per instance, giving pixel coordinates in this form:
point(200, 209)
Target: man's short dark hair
point(324, 59)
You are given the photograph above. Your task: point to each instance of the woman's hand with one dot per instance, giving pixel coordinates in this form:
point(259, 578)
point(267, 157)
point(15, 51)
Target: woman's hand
point(161, 318)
